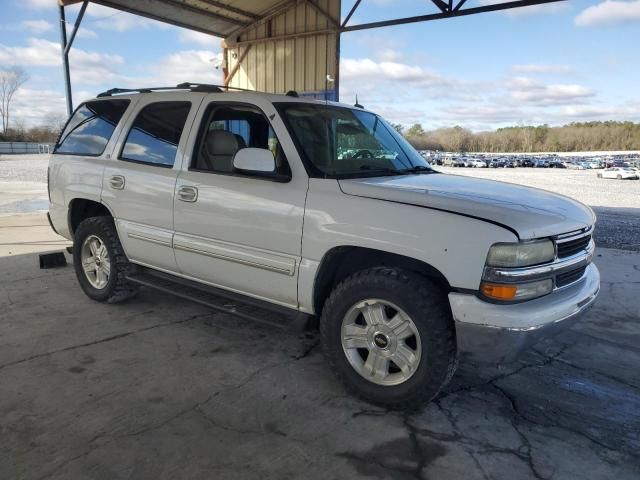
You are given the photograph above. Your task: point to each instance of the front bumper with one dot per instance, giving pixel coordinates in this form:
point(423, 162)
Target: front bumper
point(497, 333)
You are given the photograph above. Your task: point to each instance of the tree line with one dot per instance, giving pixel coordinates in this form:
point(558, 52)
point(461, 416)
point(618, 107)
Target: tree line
point(574, 137)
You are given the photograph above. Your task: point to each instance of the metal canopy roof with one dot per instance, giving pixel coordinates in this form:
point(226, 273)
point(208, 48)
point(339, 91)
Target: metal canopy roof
point(215, 17)
point(223, 17)
point(275, 45)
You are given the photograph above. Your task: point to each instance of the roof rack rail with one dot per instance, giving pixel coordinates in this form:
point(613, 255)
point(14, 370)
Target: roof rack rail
point(208, 87)
point(194, 87)
point(200, 87)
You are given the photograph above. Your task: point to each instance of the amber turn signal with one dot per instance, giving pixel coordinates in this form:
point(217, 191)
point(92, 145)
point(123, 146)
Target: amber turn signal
point(499, 292)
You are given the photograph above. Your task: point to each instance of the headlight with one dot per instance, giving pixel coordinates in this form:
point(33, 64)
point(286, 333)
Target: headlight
point(521, 254)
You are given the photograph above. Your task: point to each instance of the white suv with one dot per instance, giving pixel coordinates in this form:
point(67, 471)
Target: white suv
point(301, 209)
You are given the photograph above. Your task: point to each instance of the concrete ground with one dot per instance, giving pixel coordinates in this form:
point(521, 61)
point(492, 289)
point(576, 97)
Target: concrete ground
point(158, 388)
point(28, 233)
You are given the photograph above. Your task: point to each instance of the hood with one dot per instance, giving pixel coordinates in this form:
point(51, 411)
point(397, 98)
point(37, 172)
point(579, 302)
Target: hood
point(531, 212)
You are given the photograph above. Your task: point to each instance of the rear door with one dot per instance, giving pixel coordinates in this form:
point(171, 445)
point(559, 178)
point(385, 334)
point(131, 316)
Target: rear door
point(139, 180)
point(236, 231)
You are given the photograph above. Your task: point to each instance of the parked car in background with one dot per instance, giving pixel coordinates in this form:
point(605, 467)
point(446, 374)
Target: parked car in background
point(460, 162)
point(556, 164)
point(620, 173)
point(478, 163)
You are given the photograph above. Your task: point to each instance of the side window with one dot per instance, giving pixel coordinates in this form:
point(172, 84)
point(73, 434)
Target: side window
point(90, 128)
point(155, 134)
point(228, 128)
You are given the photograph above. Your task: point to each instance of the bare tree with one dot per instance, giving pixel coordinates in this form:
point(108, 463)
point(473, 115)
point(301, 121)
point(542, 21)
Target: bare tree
point(10, 82)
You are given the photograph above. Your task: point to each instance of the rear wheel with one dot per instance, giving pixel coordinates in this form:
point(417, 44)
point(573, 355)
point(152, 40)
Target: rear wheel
point(619, 177)
point(389, 337)
point(99, 261)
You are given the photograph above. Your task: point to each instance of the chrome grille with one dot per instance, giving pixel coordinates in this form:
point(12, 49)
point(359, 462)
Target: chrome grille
point(572, 243)
point(573, 246)
point(567, 278)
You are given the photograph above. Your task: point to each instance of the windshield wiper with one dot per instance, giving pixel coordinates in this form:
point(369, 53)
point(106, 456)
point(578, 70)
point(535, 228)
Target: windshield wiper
point(417, 169)
point(392, 171)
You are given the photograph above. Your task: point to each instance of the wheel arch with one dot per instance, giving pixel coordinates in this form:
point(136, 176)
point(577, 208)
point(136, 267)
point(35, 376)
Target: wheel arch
point(340, 262)
point(82, 208)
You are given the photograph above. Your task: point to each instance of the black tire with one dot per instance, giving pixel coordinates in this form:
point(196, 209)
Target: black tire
point(619, 177)
point(427, 306)
point(118, 288)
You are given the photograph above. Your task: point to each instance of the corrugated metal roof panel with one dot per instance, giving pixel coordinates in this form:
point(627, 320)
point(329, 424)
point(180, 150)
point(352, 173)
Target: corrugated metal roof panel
point(216, 17)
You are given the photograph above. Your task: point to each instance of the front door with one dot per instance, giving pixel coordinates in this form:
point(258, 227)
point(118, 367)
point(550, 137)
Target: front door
point(239, 231)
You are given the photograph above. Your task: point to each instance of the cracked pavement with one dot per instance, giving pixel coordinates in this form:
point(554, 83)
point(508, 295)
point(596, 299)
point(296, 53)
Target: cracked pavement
point(159, 388)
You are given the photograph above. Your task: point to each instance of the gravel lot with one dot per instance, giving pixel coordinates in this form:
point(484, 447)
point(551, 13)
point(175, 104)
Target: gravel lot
point(617, 203)
point(583, 185)
point(23, 183)
point(24, 168)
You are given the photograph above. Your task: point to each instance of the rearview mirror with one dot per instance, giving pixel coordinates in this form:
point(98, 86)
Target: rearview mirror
point(258, 160)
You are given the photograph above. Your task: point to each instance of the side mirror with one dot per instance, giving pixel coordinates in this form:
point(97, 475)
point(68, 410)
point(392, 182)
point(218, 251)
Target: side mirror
point(254, 160)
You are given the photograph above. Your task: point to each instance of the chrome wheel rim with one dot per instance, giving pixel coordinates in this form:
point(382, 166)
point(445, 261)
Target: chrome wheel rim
point(381, 342)
point(96, 264)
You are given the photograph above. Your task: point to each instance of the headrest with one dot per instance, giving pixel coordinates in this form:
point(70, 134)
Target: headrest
point(221, 142)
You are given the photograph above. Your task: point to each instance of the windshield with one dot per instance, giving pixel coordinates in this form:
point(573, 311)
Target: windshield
point(348, 142)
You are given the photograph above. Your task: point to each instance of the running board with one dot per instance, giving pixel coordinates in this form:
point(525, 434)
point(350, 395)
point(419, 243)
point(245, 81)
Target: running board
point(221, 300)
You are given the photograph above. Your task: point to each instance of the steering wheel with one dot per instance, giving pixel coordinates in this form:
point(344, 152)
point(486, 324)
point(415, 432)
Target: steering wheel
point(363, 154)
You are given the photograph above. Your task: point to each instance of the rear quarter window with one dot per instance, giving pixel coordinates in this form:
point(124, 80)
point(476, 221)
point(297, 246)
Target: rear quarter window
point(90, 127)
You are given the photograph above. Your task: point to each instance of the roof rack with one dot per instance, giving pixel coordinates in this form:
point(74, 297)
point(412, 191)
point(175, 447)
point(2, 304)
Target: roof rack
point(208, 87)
point(194, 87)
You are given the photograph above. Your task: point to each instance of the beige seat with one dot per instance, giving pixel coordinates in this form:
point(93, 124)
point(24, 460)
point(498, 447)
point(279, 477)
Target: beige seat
point(218, 151)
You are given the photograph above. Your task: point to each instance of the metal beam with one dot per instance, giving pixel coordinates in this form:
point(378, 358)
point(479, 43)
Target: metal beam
point(351, 12)
point(286, 36)
point(459, 5)
point(65, 60)
point(448, 14)
point(76, 26)
point(236, 67)
point(441, 5)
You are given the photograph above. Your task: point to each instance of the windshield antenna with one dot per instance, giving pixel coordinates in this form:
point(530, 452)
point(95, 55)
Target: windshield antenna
point(357, 105)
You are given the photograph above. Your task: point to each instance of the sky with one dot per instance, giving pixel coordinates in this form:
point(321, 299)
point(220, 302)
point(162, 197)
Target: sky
point(577, 60)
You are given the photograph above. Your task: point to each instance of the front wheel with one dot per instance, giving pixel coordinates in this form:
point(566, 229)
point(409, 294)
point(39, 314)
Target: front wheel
point(389, 337)
point(99, 261)
point(619, 177)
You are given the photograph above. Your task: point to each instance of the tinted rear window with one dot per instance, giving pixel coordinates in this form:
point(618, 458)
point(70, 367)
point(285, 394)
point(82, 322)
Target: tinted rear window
point(90, 128)
point(155, 133)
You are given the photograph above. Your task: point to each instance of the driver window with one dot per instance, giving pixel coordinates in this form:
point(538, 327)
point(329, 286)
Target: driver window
point(227, 128)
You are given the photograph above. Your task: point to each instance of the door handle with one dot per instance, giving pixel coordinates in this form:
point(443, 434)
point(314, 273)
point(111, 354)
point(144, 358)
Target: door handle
point(117, 182)
point(187, 194)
